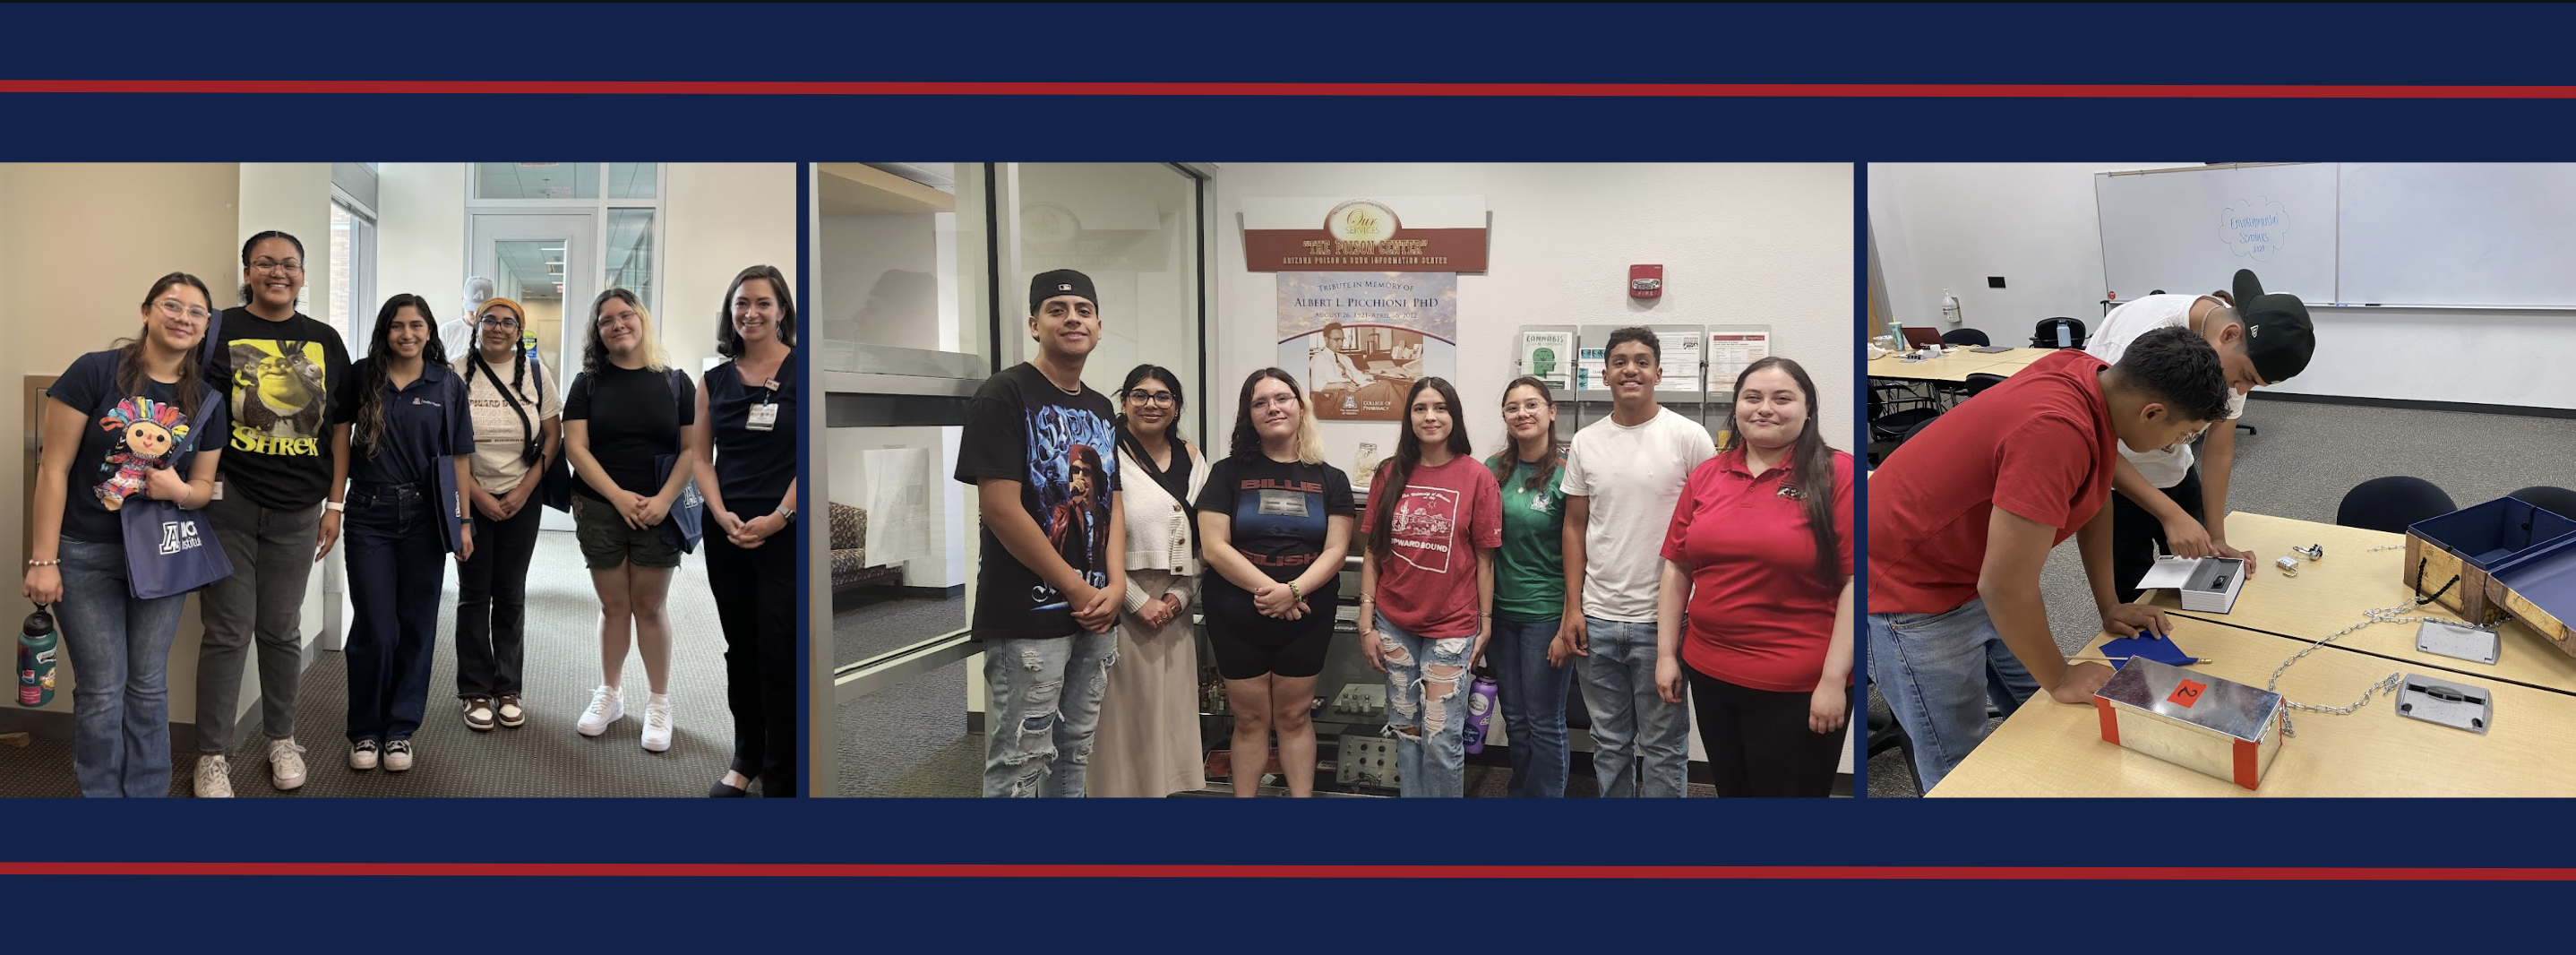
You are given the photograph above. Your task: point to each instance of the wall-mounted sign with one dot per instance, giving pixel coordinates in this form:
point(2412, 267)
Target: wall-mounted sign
point(1361, 339)
point(1353, 233)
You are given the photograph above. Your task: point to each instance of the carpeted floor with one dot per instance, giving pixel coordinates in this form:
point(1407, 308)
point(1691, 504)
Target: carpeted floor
point(2299, 466)
point(543, 758)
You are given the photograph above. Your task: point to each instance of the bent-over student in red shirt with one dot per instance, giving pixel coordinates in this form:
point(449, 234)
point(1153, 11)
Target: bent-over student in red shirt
point(1962, 518)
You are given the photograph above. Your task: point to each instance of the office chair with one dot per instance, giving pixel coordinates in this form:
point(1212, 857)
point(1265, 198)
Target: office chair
point(2392, 504)
point(2045, 335)
point(1980, 381)
point(1886, 734)
point(2555, 500)
point(1966, 336)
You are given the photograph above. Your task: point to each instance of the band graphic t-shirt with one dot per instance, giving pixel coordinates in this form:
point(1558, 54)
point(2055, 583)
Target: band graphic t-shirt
point(1062, 448)
point(278, 380)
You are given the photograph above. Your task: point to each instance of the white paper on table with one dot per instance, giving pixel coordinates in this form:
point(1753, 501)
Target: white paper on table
point(898, 504)
point(2173, 572)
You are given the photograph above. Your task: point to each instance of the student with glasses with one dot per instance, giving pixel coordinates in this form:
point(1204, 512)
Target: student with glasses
point(120, 423)
point(281, 372)
point(746, 467)
point(518, 432)
point(1148, 741)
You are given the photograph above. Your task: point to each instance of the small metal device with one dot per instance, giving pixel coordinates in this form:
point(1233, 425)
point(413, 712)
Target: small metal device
point(1365, 759)
point(1362, 701)
point(2456, 705)
point(2311, 552)
point(2289, 566)
point(2476, 644)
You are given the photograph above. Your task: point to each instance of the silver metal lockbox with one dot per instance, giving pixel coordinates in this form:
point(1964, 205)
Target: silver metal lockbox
point(2218, 727)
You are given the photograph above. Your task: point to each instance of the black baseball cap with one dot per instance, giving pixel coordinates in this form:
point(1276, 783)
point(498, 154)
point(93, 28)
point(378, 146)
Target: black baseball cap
point(2278, 336)
point(1048, 285)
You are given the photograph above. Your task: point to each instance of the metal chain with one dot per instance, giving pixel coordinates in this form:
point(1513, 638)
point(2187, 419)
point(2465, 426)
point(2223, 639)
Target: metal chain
point(2386, 685)
point(2400, 545)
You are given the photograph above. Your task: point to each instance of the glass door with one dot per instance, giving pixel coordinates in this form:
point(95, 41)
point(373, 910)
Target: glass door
point(543, 261)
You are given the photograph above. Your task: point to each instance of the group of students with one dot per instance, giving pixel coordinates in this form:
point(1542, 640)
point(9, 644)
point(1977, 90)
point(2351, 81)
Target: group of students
point(2093, 444)
point(1660, 566)
point(255, 426)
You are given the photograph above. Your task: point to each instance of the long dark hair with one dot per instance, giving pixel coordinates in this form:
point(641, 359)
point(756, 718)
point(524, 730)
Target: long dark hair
point(1246, 442)
point(1812, 465)
point(1179, 401)
point(192, 373)
point(1504, 460)
point(728, 341)
point(369, 430)
point(254, 242)
point(1408, 455)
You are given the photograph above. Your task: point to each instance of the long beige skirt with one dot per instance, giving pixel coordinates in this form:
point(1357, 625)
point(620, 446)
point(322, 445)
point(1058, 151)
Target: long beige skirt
point(1148, 743)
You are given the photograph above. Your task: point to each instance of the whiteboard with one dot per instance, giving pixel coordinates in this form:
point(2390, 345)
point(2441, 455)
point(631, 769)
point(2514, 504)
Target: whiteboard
point(2187, 231)
point(2459, 234)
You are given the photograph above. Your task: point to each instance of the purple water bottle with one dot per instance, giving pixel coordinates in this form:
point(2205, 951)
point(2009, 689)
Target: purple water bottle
point(1480, 711)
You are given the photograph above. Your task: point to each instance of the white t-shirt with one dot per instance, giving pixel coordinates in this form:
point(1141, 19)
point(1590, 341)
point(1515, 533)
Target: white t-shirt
point(499, 438)
point(1634, 477)
point(2163, 467)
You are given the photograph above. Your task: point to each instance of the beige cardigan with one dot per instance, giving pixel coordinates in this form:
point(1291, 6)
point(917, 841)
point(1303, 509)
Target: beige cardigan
point(1158, 529)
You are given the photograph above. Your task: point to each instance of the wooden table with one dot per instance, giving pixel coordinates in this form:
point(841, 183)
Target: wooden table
point(2331, 594)
point(2056, 749)
point(1956, 366)
point(2017, 356)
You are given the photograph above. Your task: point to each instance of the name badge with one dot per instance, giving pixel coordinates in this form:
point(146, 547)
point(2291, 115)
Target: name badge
point(762, 418)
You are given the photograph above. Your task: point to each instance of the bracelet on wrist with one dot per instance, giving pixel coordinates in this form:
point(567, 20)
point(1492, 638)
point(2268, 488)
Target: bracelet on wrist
point(1294, 593)
point(56, 562)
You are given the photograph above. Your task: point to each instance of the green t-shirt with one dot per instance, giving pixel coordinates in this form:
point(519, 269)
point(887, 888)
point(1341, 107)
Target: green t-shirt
point(1529, 580)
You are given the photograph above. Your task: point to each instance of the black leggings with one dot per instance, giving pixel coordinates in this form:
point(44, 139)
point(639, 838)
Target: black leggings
point(755, 593)
point(2136, 534)
point(1758, 742)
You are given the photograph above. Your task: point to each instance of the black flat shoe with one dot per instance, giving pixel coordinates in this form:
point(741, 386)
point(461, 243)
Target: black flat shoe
point(722, 791)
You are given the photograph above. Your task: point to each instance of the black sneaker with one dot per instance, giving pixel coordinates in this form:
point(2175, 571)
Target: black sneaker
point(362, 755)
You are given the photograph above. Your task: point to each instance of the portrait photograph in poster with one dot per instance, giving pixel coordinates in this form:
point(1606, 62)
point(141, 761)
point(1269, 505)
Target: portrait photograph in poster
point(1361, 339)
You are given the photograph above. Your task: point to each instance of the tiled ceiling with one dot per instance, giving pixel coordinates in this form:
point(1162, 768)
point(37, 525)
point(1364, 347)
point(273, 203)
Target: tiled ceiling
point(568, 180)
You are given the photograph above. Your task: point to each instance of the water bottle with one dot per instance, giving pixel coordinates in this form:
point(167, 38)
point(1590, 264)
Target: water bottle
point(37, 645)
point(1480, 711)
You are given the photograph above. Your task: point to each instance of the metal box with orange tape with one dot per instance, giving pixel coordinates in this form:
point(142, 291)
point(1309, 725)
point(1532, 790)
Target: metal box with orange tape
point(2217, 727)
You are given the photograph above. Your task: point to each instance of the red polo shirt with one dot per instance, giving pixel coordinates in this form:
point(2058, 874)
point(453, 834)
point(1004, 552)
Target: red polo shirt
point(1758, 615)
point(2039, 445)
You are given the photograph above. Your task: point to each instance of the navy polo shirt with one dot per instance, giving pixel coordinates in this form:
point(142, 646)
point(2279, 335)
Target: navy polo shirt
point(753, 468)
point(423, 421)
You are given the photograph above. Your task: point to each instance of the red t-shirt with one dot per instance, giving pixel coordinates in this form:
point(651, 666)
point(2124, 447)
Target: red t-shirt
point(1758, 615)
point(2039, 445)
point(1427, 583)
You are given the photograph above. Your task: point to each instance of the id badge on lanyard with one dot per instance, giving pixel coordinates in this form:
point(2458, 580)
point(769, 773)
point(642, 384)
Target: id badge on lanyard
point(763, 416)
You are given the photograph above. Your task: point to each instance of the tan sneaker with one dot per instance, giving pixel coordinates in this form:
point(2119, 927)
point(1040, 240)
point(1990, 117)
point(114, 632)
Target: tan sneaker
point(214, 778)
point(510, 714)
point(285, 763)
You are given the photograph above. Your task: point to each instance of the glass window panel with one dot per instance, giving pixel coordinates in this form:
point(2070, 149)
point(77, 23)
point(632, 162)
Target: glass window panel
point(1134, 228)
point(630, 254)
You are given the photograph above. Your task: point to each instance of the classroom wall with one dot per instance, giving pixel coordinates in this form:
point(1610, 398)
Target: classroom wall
point(1950, 225)
point(722, 217)
point(881, 282)
point(1740, 243)
point(420, 235)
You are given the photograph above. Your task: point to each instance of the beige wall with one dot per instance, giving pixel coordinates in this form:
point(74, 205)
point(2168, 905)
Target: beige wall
point(722, 217)
point(420, 235)
point(80, 244)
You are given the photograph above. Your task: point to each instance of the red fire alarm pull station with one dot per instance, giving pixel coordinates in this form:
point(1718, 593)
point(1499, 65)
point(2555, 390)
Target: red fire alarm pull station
point(1645, 281)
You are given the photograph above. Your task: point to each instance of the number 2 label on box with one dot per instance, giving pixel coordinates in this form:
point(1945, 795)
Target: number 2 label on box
point(2186, 694)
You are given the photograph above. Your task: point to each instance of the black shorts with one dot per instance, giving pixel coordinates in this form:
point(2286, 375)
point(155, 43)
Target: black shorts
point(1250, 646)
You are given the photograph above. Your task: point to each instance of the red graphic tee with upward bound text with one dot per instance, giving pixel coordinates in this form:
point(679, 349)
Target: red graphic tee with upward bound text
point(1427, 583)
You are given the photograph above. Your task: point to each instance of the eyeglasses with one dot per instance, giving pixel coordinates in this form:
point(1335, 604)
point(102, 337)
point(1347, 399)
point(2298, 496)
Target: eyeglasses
point(500, 321)
point(172, 308)
point(1143, 397)
point(289, 266)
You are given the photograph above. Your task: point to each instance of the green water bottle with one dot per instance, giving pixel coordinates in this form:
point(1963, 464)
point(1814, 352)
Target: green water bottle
point(36, 648)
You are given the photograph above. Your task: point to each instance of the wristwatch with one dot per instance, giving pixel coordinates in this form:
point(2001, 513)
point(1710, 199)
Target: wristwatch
point(334, 507)
point(787, 514)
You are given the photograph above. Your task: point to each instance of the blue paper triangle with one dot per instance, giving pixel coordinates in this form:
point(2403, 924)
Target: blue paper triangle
point(2161, 651)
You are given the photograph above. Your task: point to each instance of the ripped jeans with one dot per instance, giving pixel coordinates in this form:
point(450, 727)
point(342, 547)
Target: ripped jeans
point(1037, 737)
point(1426, 693)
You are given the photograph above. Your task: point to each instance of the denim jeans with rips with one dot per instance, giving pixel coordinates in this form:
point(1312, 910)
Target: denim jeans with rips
point(1045, 708)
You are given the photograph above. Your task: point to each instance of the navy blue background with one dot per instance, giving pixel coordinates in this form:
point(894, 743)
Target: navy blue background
point(2148, 44)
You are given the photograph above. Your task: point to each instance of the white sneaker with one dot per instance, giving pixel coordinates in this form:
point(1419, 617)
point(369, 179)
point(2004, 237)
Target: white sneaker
point(364, 754)
point(398, 756)
point(214, 778)
point(607, 705)
point(285, 763)
point(657, 722)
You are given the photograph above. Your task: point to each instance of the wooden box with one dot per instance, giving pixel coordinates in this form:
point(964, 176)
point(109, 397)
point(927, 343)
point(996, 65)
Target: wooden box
point(2452, 557)
point(2538, 587)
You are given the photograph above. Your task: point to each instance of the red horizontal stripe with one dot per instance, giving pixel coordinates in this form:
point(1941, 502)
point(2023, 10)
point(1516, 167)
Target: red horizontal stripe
point(847, 870)
point(968, 88)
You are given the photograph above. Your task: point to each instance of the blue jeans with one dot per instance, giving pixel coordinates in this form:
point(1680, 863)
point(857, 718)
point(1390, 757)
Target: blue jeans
point(1037, 738)
point(1426, 692)
point(397, 570)
point(1938, 672)
point(120, 655)
point(1634, 732)
point(1533, 698)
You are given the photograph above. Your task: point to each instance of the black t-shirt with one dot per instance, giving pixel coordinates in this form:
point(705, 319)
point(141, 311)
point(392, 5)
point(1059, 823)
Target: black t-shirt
point(1280, 513)
point(429, 418)
point(128, 435)
point(280, 381)
point(635, 415)
point(753, 468)
point(1063, 450)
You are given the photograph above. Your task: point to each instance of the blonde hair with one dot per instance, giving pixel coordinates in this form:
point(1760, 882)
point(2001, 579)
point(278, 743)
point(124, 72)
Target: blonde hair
point(1247, 442)
point(648, 345)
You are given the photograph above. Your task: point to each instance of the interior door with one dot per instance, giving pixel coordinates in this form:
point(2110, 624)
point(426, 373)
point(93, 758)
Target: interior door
point(547, 261)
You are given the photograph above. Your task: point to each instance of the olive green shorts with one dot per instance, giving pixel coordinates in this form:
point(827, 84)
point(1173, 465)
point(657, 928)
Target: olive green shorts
point(607, 543)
